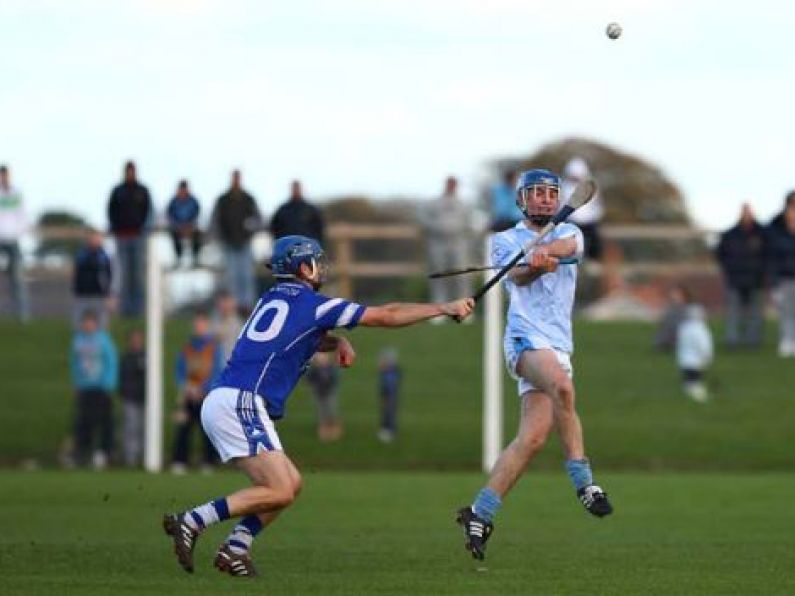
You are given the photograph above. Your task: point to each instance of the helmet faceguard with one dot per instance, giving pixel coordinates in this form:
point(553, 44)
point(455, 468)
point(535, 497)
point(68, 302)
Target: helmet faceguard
point(320, 269)
point(537, 195)
point(291, 252)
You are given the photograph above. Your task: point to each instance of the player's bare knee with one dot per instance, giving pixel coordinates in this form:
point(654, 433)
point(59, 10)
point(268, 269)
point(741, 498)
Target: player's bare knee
point(283, 497)
point(564, 393)
point(531, 443)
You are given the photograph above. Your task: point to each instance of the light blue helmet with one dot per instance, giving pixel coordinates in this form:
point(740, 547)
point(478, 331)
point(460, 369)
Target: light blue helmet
point(526, 181)
point(290, 252)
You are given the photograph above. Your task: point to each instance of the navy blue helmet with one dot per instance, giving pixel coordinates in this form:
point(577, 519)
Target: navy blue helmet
point(290, 252)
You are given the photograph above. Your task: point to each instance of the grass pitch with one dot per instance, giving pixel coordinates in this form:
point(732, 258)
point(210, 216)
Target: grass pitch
point(727, 529)
point(392, 533)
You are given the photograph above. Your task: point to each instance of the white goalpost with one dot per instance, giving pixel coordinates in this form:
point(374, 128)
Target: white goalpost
point(153, 412)
point(492, 371)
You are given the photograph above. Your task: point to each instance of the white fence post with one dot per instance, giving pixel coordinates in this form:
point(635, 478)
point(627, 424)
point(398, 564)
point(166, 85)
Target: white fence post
point(492, 371)
point(153, 426)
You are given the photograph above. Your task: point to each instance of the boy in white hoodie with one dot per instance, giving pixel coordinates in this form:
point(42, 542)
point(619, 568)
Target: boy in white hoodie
point(694, 352)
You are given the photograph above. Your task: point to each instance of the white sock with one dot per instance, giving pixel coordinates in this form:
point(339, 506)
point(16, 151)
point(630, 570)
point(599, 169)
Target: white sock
point(207, 514)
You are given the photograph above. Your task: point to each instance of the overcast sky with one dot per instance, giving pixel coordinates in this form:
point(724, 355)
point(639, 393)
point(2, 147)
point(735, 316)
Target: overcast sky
point(385, 98)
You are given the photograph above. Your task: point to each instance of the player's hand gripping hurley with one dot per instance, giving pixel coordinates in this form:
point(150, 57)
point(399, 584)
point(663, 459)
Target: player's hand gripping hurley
point(583, 193)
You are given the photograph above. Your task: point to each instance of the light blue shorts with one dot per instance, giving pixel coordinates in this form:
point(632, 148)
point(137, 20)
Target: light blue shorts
point(513, 348)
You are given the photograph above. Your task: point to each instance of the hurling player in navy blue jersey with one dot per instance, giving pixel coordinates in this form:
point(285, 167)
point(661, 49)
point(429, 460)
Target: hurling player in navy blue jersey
point(290, 322)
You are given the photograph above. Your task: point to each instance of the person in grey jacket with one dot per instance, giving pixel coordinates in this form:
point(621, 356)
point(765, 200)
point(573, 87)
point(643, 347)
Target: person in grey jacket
point(448, 222)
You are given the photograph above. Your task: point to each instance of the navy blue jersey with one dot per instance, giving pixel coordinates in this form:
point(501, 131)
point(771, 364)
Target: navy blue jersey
point(279, 338)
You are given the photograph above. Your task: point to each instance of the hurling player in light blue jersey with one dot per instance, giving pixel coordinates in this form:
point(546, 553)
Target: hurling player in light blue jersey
point(288, 325)
point(538, 346)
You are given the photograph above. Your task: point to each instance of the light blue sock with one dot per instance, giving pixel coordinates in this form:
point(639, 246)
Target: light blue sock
point(579, 471)
point(486, 504)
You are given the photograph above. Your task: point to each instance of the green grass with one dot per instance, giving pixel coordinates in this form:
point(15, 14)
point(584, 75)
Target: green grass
point(709, 514)
point(392, 533)
point(629, 398)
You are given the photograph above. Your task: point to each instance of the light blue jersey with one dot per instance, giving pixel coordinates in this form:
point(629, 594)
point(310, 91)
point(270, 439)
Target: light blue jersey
point(539, 314)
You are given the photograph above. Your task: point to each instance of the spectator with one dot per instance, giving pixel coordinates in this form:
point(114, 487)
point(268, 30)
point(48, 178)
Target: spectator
point(589, 216)
point(694, 352)
point(94, 367)
point(389, 378)
point(129, 213)
point(235, 219)
point(323, 377)
point(183, 222)
point(13, 224)
point(505, 213)
point(226, 323)
point(448, 222)
point(665, 338)
point(297, 216)
point(777, 223)
point(741, 255)
point(91, 279)
point(132, 388)
point(782, 269)
point(198, 363)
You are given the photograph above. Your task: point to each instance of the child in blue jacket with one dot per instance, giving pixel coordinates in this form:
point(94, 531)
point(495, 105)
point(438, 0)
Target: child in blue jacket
point(94, 367)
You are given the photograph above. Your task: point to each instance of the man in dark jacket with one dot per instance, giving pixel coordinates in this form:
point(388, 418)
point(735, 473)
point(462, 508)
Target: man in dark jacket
point(91, 279)
point(234, 221)
point(296, 216)
point(741, 254)
point(129, 213)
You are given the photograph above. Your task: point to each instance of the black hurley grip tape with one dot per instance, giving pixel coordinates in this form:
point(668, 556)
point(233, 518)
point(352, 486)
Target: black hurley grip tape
point(563, 214)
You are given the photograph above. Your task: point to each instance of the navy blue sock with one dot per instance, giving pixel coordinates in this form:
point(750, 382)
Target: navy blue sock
point(579, 471)
point(252, 523)
point(486, 504)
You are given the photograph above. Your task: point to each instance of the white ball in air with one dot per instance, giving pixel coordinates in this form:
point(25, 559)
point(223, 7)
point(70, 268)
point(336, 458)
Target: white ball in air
point(613, 30)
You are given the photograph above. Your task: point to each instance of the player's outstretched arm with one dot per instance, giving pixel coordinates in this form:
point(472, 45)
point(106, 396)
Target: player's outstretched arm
point(400, 314)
